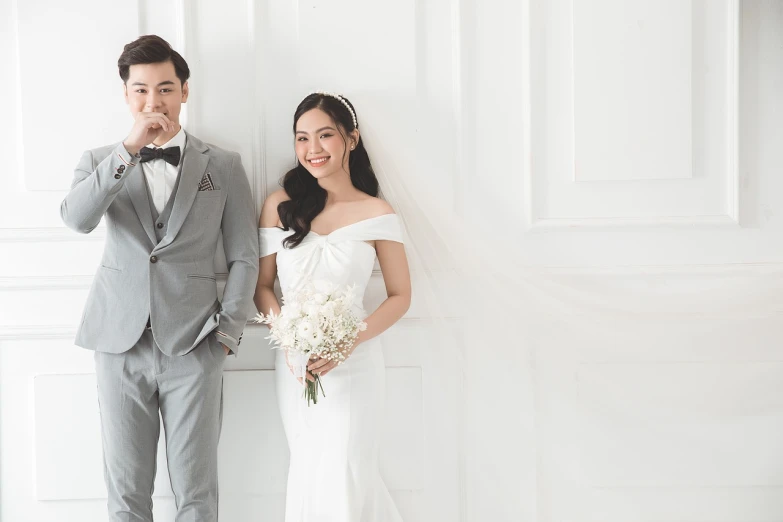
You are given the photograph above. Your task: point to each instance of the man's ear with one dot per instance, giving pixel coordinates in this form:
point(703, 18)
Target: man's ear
point(185, 92)
point(125, 92)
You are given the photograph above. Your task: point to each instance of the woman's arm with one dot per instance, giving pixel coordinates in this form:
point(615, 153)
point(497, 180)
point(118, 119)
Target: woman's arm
point(265, 298)
point(397, 278)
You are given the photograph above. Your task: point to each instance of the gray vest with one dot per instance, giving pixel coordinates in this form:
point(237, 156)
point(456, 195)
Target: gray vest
point(161, 221)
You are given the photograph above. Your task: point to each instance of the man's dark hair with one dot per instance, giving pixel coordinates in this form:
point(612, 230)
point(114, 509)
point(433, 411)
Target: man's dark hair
point(151, 49)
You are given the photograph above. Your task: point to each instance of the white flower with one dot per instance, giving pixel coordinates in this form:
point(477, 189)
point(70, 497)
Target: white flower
point(288, 340)
point(312, 310)
point(329, 310)
point(316, 338)
point(309, 333)
point(305, 329)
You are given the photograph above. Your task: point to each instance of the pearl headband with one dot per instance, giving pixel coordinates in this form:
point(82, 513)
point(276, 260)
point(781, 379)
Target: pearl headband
point(341, 100)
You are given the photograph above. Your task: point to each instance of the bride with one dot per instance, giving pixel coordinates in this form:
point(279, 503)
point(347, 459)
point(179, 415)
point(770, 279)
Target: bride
point(329, 224)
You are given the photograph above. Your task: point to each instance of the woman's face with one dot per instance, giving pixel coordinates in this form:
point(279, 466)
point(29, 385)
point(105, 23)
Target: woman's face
point(319, 145)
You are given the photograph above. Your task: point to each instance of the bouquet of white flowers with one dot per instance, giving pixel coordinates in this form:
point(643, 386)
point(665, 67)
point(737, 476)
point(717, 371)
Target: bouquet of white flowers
point(314, 322)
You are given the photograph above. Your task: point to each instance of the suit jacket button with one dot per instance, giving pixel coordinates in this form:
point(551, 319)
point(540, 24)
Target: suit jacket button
point(121, 169)
point(154, 259)
point(117, 176)
point(160, 225)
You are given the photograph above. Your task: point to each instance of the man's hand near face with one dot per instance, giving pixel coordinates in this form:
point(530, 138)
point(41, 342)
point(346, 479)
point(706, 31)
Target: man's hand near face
point(147, 127)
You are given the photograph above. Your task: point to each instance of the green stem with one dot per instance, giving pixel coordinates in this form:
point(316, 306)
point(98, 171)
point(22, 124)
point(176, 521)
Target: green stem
point(318, 381)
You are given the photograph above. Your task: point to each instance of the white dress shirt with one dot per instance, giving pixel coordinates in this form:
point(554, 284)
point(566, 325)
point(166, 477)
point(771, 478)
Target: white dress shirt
point(162, 176)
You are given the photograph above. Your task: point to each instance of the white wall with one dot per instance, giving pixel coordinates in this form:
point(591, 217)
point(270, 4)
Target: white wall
point(669, 187)
point(669, 184)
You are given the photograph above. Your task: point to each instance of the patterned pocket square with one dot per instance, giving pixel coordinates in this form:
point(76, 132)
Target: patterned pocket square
point(206, 183)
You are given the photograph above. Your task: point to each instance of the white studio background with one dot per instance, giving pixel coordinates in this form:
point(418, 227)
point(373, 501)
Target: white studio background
point(636, 143)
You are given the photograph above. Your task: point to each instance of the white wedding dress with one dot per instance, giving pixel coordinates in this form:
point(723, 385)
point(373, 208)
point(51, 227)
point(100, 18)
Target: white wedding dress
point(333, 475)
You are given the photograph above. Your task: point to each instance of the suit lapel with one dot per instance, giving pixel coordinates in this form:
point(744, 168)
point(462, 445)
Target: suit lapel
point(194, 164)
point(141, 202)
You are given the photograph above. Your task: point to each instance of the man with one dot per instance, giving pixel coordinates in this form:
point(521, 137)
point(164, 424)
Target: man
point(159, 333)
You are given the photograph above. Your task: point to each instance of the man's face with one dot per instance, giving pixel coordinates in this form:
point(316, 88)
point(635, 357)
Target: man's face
point(154, 87)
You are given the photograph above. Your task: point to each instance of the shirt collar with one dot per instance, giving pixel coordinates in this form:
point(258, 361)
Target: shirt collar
point(177, 141)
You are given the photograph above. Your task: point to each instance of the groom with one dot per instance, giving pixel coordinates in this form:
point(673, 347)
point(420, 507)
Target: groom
point(153, 318)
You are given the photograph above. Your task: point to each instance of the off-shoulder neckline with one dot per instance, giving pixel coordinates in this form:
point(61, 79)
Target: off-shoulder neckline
point(338, 229)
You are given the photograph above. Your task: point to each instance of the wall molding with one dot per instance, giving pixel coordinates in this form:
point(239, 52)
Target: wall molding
point(181, 23)
point(258, 136)
point(19, 116)
point(53, 282)
point(731, 217)
point(49, 235)
point(59, 331)
point(722, 221)
point(37, 332)
point(83, 282)
point(462, 36)
point(733, 19)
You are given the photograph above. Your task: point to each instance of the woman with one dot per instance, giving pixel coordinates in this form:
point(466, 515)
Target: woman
point(329, 224)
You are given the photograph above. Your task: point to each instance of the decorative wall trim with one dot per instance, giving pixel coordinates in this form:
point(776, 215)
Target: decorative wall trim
point(58, 331)
point(36, 332)
point(49, 235)
point(19, 117)
point(731, 218)
point(663, 221)
point(181, 23)
point(83, 282)
point(258, 136)
point(57, 282)
point(462, 28)
point(732, 102)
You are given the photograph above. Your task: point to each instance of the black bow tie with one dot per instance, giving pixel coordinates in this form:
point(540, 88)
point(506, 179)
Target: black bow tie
point(170, 155)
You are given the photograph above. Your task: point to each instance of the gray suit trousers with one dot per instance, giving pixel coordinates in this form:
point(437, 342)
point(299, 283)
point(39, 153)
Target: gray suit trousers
point(188, 391)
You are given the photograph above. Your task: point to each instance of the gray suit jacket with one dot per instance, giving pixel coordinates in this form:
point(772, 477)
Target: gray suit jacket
point(171, 282)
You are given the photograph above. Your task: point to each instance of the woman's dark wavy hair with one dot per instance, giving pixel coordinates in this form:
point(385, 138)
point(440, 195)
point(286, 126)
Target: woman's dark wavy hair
point(307, 197)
